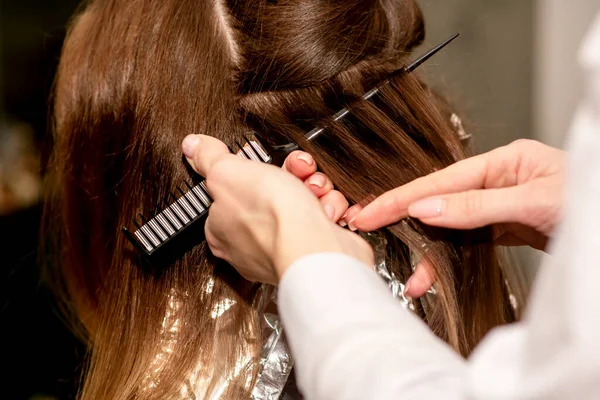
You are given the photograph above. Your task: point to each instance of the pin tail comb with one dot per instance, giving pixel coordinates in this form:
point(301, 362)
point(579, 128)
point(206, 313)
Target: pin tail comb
point(179, 226)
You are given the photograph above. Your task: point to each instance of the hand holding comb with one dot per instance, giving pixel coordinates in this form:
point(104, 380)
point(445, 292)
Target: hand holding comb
point(180, 225)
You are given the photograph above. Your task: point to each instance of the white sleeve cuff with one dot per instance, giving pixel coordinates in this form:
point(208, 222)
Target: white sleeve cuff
point(347, 333)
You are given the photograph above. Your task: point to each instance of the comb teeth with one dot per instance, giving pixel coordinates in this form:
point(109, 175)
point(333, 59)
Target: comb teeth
point(194, 203)
point(185, 210)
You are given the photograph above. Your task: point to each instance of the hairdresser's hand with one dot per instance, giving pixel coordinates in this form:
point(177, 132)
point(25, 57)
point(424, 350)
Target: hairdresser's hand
point(263, 218)
point(303, 166)
point(516, 188)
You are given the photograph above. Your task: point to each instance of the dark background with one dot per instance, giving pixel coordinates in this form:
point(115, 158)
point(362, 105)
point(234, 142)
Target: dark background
point(39, 357)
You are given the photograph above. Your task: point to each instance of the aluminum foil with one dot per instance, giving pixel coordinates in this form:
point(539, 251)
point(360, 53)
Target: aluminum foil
point(274, 381)
point(379, 244)
point(276, 359)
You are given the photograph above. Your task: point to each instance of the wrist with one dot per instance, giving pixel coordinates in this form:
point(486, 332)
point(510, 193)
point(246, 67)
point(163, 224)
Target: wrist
point(300, 233)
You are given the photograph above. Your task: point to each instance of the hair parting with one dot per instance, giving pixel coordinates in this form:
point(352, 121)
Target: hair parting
point(136, 77)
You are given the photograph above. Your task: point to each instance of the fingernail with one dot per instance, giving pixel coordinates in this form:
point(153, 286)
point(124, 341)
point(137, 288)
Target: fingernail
point(428, 208)
point(317, 180)
point(307, 158)
point(351, 225)
point(342, 222)
point(189, 145)
point(329, 211)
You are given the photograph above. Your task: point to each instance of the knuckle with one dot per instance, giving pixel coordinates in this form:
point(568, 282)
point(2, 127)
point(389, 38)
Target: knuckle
point(541, 213)
point(526, 145)
point(217, 252)
point(395, 203)
point(219, 168)
point(248, 276)
point(470, 202)
point(434, 183)
point(212, 241)
point(522, 143)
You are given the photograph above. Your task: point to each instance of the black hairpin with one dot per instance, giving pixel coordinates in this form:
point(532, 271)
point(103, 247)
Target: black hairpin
point(180, 225)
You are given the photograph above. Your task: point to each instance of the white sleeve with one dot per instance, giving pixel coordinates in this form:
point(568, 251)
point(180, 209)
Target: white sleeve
point(352, 340)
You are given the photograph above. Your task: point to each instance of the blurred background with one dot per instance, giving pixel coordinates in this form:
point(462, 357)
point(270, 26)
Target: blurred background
point(513, 74)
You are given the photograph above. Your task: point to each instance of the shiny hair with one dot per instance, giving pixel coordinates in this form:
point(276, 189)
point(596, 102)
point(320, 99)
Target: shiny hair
point(136, 77)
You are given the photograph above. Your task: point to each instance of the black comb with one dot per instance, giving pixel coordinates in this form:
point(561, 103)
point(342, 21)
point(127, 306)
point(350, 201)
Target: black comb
point(180, 225)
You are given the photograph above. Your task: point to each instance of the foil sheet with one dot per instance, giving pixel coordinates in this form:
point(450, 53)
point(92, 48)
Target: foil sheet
point(276, 359)
point(276, 363)
point(379, 244)
point(274, 381)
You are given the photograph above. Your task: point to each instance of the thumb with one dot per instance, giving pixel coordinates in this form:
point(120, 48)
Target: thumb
point(477, 208)
point(202, 151)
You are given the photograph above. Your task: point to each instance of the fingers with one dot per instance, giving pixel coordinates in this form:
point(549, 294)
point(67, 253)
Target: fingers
point(300, 164)
point(533, 204)
point(421, 280)
point(506, 166)
point(319, 184)
point(468, 210)
point(349, 216)
point(215, 245)
point(303, 166)
point(334, 204)
point(392, 206)
point(202, 151)
point(497, 168)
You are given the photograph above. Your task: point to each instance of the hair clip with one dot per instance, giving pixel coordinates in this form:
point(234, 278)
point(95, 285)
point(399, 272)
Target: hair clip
point(179, 226)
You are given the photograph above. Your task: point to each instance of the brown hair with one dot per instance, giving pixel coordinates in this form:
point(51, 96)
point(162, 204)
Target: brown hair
point(136, 77)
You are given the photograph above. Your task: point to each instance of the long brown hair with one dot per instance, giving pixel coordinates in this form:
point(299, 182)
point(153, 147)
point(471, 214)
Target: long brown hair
point(136, 77)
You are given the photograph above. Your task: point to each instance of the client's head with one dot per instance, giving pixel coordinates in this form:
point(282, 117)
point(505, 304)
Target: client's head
point(136, 77)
